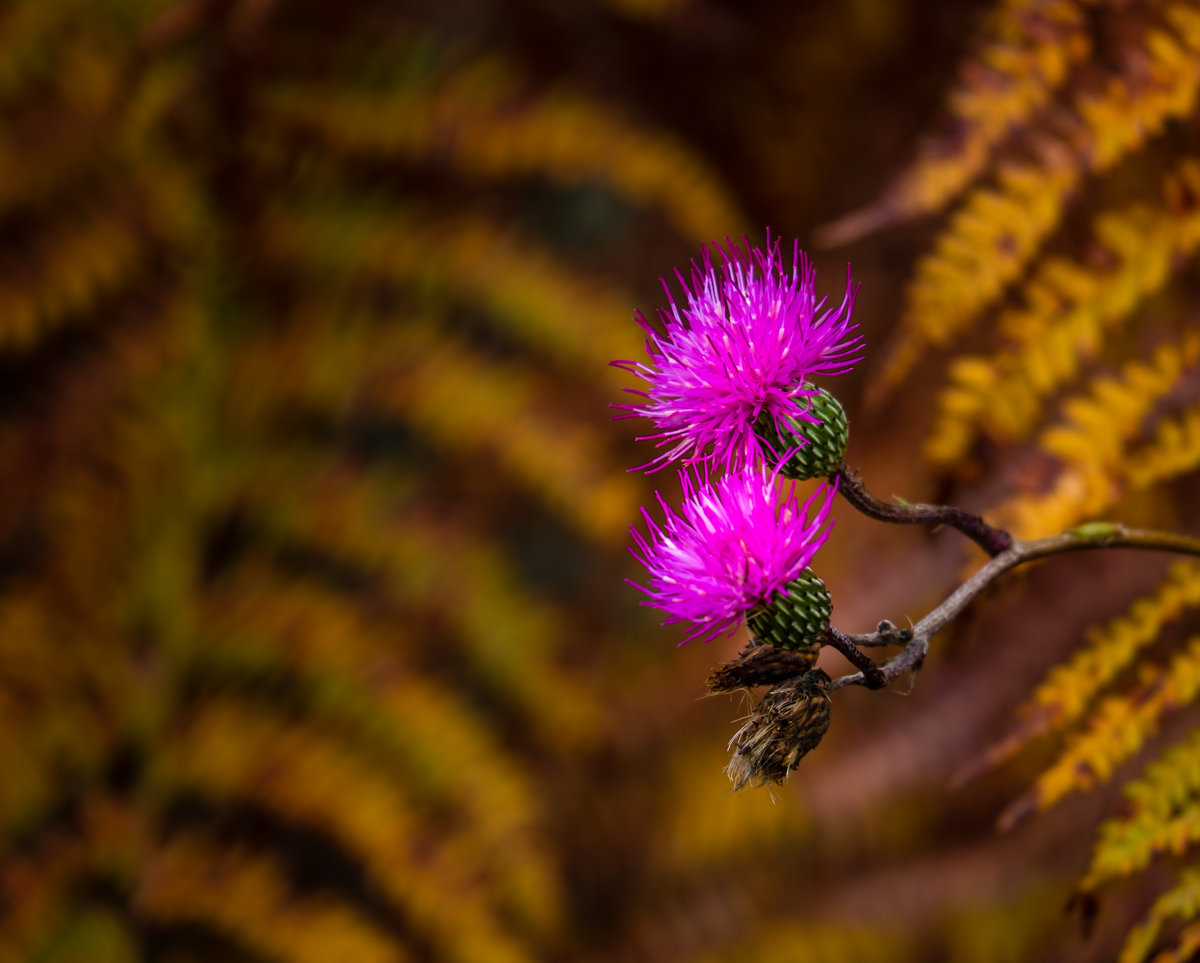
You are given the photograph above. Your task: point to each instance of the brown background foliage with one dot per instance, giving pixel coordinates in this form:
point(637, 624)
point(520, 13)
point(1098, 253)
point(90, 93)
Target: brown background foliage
point(314, 643)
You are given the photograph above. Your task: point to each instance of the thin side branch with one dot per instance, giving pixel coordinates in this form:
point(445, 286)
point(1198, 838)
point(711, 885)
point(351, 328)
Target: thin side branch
point(870, 672)
point(994, 541)
point(1093, 535)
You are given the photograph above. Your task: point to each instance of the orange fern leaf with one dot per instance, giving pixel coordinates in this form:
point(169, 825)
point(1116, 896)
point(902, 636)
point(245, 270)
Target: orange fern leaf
point(1164, 817)
point(1095, 446)
point(1027, 51)
point(248, 898)
point(1115, 731)
point(1182, 901)
point(998, 230)
point(482, 123)
point(1070, 689)
point(527, 293)
point(1070, 310)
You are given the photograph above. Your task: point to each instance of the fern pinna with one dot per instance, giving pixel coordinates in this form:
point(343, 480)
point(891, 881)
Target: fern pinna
point(1059, 292)
point(312, 640)
point(268, 692)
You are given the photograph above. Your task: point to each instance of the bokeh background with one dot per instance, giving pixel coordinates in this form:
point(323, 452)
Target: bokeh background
point(314, 638)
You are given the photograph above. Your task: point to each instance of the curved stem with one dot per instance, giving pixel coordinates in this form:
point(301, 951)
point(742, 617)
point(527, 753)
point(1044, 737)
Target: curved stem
point(1090, 536)
point(994, 541)
point(872, 675)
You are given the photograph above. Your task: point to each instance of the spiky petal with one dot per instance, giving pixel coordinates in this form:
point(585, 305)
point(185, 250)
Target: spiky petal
point(747, 338)
point(734, 545)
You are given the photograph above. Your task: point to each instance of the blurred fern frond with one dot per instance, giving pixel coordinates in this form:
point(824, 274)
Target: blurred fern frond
point(1057, 301)
point(1002, 396)
point(1100, 449)
point(1070, 690)
point(313, 643)
point(1018, 192)
point(1024, 53)
point(1180, 902)
point(1161, 818)
point(278, 673)
point(484, 123)
point(1119, 727)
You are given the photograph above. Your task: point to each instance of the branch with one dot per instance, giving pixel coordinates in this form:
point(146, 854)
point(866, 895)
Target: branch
point(871, 674)
point(1090, 536)
point(994, 541)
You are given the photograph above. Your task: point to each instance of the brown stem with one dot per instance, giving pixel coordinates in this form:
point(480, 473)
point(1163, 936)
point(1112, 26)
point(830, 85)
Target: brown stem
point(994, 541)
point(872, 676)
point(1090, 536)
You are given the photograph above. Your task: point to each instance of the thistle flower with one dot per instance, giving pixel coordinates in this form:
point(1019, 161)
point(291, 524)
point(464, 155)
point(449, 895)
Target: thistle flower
point(734, 546)
point(742, 347)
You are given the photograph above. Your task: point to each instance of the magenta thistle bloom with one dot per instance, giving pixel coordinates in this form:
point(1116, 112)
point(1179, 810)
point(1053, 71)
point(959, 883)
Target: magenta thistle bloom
point(748, 337)
point(734, 545)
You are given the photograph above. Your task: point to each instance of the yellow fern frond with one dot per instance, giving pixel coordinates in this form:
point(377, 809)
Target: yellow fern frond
point(1164, 816)
point(1099, 426)
point(1174, 450)
point(357, 678)
point(528, 293)
point(482, 410)
point(1027, 51)
point(1069, 312)
point(1182, 902)
point(1086, 490)
point(247, 897)
point(1095, 445)
point(302, 773)
point(1069, 689)
point(1118, 729)
point(483, 123)
point(1187, 943)
point(992, 238)
point(1186, 946)
point(38, 895)
point(463, 768)
point(257, 620)
point(1161, 82)
point(499, 413)
point(71, 267)
point(510, 637)
point(1080, 492)
point(57, 723)
point(985, 247)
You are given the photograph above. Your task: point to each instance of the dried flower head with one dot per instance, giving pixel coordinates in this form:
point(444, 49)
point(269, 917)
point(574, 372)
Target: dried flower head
point(733, 546)
point(784, 727)
point(747, 339)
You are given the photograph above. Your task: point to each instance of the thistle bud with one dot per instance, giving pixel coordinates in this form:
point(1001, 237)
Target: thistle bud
point(786, 725)
point(826, 441)
point(797, 618)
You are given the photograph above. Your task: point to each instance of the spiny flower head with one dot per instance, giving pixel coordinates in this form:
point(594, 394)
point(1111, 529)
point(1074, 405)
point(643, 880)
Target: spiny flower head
point(734, 545)
point(746, 339)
